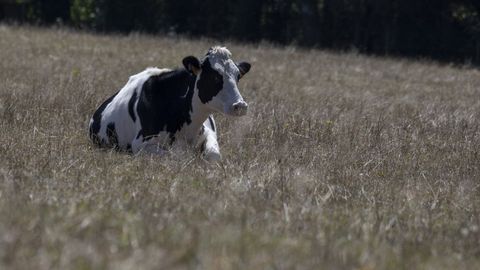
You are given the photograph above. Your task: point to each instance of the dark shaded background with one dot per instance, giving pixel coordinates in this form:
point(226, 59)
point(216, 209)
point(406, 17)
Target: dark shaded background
point(447, 30)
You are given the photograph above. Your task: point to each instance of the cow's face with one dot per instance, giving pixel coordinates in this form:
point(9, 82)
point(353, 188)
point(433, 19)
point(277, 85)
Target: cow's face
point(217, 81)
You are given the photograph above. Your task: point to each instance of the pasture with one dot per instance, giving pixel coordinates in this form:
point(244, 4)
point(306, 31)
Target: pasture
point(342, 162)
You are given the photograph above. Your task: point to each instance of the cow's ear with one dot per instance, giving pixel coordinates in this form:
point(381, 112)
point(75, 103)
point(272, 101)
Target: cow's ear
point(244, 67)
point(192, 64)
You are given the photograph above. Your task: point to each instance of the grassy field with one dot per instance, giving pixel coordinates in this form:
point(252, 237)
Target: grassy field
point(343, 162)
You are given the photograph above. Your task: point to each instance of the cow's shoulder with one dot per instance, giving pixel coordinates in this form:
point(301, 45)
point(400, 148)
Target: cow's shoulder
point(164, 102)
point(168, 84)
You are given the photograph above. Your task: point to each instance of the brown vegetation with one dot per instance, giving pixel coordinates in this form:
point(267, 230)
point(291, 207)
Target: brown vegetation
point(343, 162)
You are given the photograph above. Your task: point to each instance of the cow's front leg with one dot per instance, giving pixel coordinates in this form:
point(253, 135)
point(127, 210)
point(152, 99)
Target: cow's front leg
point(208, 141)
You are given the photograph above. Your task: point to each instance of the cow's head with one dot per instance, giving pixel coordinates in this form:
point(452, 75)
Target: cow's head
point(217, 78)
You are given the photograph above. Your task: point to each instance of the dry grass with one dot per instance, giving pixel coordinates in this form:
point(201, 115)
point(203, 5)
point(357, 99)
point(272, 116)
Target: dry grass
point(344, 162)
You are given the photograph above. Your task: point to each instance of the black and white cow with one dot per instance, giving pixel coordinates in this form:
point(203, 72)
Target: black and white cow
point(160, 106)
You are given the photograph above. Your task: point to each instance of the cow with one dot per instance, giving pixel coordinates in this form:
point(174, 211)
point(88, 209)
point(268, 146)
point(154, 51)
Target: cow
point(158, 107)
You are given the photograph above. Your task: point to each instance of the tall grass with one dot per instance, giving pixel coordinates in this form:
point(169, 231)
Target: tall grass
point(343, 162)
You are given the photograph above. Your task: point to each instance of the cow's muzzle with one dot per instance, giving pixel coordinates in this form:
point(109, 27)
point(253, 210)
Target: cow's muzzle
point(239, 108)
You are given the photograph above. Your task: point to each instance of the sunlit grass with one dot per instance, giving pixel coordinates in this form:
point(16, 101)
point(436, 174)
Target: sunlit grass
point(343, 162)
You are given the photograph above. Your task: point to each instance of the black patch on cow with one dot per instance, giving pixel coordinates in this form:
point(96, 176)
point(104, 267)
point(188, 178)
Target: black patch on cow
point(131, 104)
point(210, 82)
point(212, 124)
point(165, 103)
point(112, 135)
point(97, 118)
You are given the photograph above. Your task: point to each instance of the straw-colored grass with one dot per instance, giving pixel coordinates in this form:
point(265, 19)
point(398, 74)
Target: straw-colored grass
point(343, 162)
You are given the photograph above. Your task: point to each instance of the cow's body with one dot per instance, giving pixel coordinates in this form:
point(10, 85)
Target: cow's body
point(160, 106)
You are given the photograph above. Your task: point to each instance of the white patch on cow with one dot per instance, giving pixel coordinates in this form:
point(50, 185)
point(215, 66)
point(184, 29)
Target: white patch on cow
point(208, 138)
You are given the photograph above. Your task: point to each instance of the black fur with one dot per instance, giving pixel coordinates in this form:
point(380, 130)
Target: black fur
point(210, 82)
point(131, 104)
point(112, 135)
point(97, 117)
point(191, 62)
point(165, 103)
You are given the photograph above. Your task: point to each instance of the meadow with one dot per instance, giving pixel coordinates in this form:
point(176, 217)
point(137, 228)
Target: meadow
point(344, 161)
